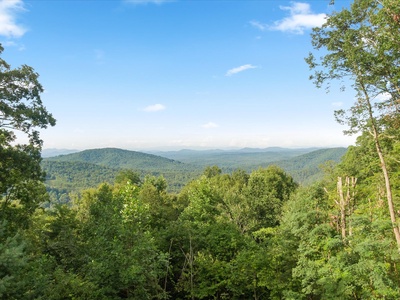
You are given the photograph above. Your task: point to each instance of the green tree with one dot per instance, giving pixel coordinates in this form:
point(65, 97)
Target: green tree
point(122, 259)
point(224, 233)
point(362, 45)
point(212, 171)
point(13, 259)
point(266, 192)
point(125, 176)
point(22, 110)
point(21, 177)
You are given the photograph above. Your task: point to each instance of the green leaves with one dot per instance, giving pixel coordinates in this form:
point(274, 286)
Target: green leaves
point(226, 229)
point(20, 103)
point(21, 109)
point(362, 49)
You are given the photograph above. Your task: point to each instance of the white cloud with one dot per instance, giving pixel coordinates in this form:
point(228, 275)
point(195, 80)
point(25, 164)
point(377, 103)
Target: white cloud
point(337, 104)
point(239, 69)
point(148, 1)
point(210, 125)
point(383, 97)
point(154, 108)
point(8, 11)
point(300, 19)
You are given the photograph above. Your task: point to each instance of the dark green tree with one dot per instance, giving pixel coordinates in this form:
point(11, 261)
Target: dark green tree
point(212, 171)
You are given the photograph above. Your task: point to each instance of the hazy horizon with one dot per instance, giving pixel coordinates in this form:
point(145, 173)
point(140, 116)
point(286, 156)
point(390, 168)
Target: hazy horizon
point(166, 149)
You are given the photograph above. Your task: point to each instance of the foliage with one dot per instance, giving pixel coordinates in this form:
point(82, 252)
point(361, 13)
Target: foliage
point(362, 45)
point(73, 173)
point(219, 243)
point(82, 170)
point(21, 109)
point(225, 236)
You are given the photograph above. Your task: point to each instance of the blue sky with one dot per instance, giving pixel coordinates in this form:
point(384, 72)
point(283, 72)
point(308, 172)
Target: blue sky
point(145, 75)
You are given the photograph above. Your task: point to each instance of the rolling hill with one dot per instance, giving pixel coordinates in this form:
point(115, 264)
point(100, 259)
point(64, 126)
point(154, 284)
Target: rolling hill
point(228, 160)
point(120, 159)
point(81, 170)
point(305, 168)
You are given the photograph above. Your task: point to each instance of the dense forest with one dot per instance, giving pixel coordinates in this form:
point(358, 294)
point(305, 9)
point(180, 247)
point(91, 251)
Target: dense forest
point(224, 235)
point(67, 175)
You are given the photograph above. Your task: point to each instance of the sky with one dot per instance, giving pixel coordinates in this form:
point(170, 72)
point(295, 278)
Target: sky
point(170, 75)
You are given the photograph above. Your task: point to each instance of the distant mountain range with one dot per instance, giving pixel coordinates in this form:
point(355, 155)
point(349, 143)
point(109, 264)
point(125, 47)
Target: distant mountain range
point(246, 158)
point(75, 171)
point(50, 152)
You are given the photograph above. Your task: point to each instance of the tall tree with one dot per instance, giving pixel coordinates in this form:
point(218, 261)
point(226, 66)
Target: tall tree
point(21, 186)
point(362, 45)
point(21, 110)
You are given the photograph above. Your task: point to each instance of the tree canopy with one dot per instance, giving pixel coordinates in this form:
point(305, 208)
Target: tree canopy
point(362, 49)
point(22, 110)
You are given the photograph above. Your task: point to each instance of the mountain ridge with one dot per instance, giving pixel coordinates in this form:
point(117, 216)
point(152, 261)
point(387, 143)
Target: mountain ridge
point(53, 152)
point(88, 168)
point(117, 158)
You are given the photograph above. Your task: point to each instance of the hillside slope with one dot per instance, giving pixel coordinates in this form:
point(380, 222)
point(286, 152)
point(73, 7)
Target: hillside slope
point(305, 168)
point(85, 169)
point(122, 159)
point(63, 177)
point(88, 168)
point(228, 160)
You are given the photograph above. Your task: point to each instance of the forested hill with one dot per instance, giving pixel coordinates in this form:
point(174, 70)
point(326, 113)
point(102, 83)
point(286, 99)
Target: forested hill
point(306, 168)
point(246, 158)
point(311, 159)
point(291, 160)
point(300, 163)
point(86, 169)
point(121, 159)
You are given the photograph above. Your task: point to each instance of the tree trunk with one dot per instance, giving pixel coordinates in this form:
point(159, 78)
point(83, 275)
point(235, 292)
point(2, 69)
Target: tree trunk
point(389, 195)
point(345, 205)
point(385, 172)
point(353, 197)
point(342, 205)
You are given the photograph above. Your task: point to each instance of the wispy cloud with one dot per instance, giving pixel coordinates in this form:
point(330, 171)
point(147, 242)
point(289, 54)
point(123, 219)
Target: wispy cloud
point(259, 25)
point(148, 1)
point(234, 71)
point(210, 125)
point(154, 108)
point(12, 43)
point(337, 104)
point(300, 18)
point(8, 24)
